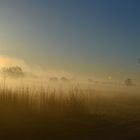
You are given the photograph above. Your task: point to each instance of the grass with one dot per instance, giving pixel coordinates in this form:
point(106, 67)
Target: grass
point(76, 114)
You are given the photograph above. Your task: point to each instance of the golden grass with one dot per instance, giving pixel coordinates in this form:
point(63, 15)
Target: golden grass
point(28, 113)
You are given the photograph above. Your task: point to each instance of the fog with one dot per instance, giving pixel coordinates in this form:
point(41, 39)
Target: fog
point(37, 77)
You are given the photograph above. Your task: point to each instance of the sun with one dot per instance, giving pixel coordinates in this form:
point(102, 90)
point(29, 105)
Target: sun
point(3, 61)
point(6, 61)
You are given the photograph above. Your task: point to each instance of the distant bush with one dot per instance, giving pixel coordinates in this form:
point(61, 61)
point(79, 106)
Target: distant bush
point(64, 79)
point(90, 80)
point(53, 79)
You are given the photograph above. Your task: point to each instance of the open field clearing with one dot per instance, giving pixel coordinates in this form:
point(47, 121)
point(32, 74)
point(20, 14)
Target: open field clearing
point(72, 113)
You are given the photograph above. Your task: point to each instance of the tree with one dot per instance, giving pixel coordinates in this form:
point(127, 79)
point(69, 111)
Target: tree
point(129, 82)
point(13, 72)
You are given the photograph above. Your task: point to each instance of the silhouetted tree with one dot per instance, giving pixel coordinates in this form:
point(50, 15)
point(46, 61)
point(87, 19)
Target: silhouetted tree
point(14, 72)
point(129, 82)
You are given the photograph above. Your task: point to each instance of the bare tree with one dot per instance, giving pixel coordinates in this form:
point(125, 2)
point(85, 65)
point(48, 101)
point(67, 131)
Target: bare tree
point(129, 82)
point(13, 72)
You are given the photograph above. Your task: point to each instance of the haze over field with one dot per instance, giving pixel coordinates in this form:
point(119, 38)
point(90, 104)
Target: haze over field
point(69, 69)
point(88, 38)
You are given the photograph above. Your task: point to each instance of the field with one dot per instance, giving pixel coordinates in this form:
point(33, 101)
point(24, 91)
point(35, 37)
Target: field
point(28, 113)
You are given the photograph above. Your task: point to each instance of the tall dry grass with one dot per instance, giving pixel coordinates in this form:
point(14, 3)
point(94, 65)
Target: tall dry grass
point(47, 113)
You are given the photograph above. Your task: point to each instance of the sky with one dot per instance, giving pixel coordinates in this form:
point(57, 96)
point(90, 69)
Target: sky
point(89, 37)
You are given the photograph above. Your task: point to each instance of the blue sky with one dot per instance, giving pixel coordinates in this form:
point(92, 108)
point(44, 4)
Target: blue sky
point(91, 37)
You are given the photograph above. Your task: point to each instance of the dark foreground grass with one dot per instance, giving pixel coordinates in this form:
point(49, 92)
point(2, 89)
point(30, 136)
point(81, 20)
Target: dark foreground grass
point(27, 114)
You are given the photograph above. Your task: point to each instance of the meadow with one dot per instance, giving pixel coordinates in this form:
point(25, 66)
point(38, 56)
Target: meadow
point(74, 113)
